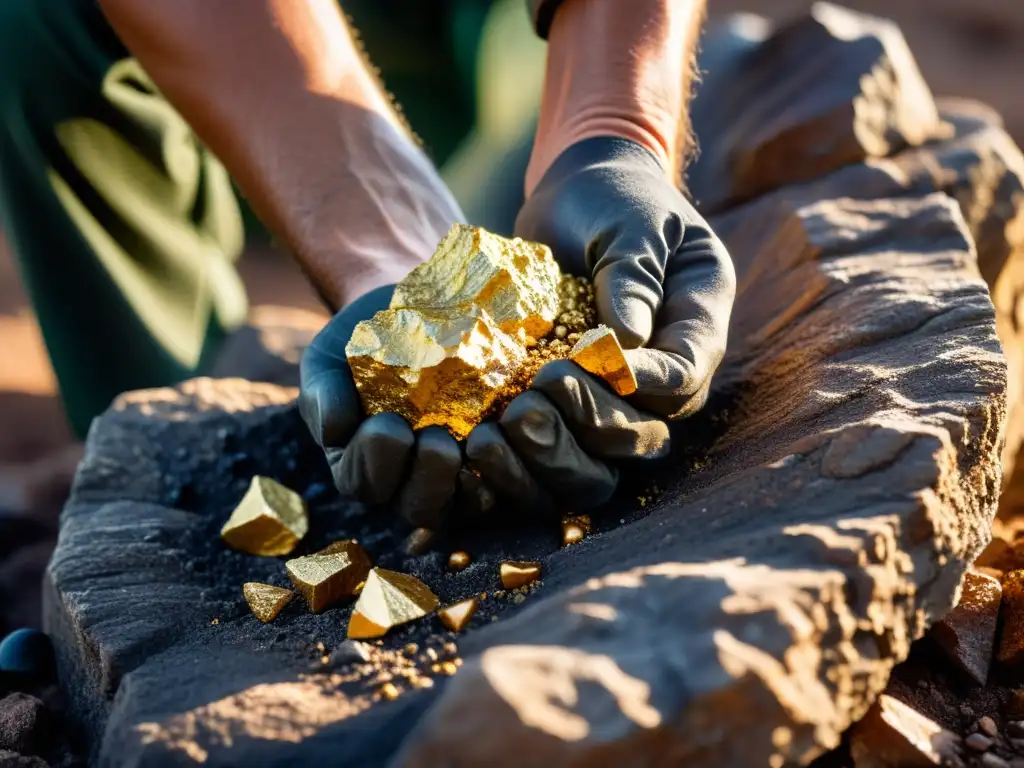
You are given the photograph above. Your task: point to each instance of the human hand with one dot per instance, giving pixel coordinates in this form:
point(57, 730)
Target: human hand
point(377, 459)
point(663, 282)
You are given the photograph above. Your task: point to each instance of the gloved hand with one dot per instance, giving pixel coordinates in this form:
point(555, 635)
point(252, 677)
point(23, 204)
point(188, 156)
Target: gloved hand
point(663, 282)
point(377, 460)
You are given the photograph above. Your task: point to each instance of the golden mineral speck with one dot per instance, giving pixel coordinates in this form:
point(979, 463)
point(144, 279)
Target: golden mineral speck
point(516, 574)
point(390, 691)
point(456, 617)
point(598, 351)
point(269, 520)
point(266, 601)
point(459, 561)
point(574, 529)
point(329, 575)
point(389, 599)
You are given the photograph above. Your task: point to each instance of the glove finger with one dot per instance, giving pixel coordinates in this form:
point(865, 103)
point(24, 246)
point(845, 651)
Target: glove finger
point(673, 374)
point(489, 453)
point(477, 500)
point(430, 487)
point(539, 435)
point(604, 424)
point(375, 461)
point(328, 400)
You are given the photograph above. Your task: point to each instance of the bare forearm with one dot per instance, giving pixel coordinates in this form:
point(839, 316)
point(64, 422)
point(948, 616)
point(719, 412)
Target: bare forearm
point(618, 69)
point(278, 90)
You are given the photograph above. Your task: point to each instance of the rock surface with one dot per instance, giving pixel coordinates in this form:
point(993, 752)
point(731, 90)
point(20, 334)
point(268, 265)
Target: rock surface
point(968, 634)
point(819, 516)
point(892, 735)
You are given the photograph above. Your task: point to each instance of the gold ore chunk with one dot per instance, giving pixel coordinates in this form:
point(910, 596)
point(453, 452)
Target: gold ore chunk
point(598, 352)
point(457, 616)
point(266, 601)
point(329, 575)
point(517, 574)
point(514, 281)
point(269, 520)
point(389, 599)
point(433, 367)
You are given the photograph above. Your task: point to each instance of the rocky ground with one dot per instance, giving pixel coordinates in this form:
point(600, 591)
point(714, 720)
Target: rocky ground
point(858, 413)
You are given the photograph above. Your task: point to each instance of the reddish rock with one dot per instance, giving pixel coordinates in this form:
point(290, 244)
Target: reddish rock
point(892, 735)
point(1010, 653)
point(967, 635)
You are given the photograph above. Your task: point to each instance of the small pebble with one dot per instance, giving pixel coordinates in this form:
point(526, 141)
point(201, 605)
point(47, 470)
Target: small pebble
point(27, 652)
point(987, 726)
point(989, 760)
point(25, 724)
point(979, 742)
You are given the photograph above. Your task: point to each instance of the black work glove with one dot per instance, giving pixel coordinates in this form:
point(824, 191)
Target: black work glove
point(662, 281)
point(378, 460)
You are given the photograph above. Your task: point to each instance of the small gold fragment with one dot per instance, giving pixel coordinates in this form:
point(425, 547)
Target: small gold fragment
point(389, 599)
point(449, 668)
point(598, 352)
point(411, 648)
point(456, 617)
point(423, 682)
point(574, 528)
point(269, 520)
point(266, 601)
point(515, 574)
point(450, 647)
point(459, 561)
point(390, 691)
point(329, 575)
point(418, 541)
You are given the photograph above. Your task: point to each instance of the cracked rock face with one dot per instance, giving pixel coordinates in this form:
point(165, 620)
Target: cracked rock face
point(818, 515)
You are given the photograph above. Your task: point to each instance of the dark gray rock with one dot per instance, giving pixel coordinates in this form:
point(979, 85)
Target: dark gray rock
point(25, 724)
point(814, 519)
point(14, 760)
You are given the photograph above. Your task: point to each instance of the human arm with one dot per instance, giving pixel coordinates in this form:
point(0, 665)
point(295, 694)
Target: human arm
point(279, 91)
point(602, 192)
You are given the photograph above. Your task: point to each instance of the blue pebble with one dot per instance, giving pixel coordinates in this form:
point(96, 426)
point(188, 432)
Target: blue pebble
point(27, 652)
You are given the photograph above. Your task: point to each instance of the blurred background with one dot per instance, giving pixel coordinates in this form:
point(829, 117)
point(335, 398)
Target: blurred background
point(469, 81)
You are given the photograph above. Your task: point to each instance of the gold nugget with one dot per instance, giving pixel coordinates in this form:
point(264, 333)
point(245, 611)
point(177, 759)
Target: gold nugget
point(457, 616)
point(598, 352)
point(330, 575)
point(574, 529)
point(266, 601)
point(517, 574)
point(514, 281)
point(459, 561)
point(269, 520)
point(389, 599)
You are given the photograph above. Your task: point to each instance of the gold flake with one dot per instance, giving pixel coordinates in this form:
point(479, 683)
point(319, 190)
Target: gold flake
point(266, 601)
point(329, 575)
point(389, 599)
point(269, 520)
point(456, 617)
point(459, 561)
point(598, 352)
point(516, 574)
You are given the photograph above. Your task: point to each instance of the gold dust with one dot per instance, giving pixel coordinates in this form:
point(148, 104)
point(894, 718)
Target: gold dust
point(269, 520)
point(518, 573)
point(456, 617)
point(330, 575)
point(390, 691)
point(265, 601)
point(459, 561)
point(449, 668)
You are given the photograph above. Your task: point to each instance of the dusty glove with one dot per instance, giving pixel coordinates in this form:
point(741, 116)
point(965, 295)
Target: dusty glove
point(663, 282)
point(379, 459)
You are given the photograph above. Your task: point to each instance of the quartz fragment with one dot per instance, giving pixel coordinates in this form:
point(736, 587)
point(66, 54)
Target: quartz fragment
point(433, 368)
point(389, 599)
point(269, 520)
point(266, 601)
point(598, 352)
point(517, 574)
point(456, 617)
point(329, 575)
point(514, 281)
